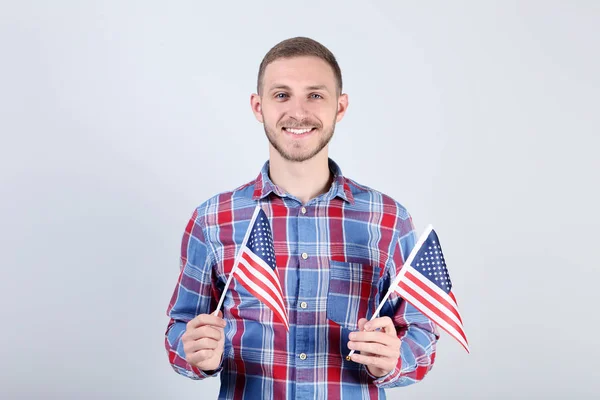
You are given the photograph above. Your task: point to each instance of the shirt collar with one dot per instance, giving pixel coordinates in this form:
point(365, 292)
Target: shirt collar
point(263, 185)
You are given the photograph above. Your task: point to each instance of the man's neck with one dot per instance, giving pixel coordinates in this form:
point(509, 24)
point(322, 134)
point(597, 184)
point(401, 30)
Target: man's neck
point(303, 180)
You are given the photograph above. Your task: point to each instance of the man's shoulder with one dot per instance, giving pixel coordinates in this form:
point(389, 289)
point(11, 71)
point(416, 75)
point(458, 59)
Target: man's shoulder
point(370, 199)
point(228, 201)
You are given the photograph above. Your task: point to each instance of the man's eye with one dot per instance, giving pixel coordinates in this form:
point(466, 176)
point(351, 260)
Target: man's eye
point(281, 95)
point(316, 96)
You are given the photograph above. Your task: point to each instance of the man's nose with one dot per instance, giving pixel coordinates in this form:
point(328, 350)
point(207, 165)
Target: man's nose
point(298, 109)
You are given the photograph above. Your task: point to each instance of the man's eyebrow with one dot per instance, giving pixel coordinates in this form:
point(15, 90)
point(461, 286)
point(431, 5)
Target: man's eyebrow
point(317, 87)
point(277, 86)
point(286, 87)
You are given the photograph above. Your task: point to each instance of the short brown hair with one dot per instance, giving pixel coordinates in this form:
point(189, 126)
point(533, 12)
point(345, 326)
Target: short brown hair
point(298, 47)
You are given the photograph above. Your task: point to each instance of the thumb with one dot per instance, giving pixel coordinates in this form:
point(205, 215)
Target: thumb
point(361, 324)
point(220, 315)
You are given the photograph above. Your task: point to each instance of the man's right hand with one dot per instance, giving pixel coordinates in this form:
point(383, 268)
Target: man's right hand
point(203, 341)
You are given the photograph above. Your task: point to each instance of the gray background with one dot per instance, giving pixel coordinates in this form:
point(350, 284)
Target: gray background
point(119, 118)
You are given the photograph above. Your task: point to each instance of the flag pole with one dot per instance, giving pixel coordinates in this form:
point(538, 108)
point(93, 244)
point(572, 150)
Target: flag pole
point(237, 259)
point(396, 282)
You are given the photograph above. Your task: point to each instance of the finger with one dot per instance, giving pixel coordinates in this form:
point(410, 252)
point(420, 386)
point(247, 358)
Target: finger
point(376, 336)
point(385, 323)
point(376, 349)
point(199, 356)
point(205, 331)
point(202, 344)
point(207, 319)
point(374, 361)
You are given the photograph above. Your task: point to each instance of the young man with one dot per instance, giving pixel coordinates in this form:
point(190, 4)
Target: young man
point(338, 245)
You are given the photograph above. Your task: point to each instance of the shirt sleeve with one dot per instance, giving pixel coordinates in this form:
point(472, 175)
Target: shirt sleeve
point(417, 333)
point(195, 293)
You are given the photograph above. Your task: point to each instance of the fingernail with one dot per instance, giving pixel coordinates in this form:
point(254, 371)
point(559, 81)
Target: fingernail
point(350, 345)
point(352, 336)
point(367, 326)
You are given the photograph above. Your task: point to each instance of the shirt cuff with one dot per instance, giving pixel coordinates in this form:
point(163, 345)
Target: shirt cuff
point(387, 379)
point(208, 374)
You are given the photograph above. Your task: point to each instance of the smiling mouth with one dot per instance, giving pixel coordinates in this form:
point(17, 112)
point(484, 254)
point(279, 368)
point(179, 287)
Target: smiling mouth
point(298, 132)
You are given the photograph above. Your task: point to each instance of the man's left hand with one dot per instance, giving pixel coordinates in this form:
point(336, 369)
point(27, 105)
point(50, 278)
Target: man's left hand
point(379, 349)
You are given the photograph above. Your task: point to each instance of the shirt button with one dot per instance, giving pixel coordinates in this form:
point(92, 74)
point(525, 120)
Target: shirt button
point(303, 209)
point(304, 256)
point(303, 305)
point(302, 356)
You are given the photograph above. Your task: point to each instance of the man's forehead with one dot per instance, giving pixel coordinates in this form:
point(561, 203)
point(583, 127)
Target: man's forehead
point(299, 72)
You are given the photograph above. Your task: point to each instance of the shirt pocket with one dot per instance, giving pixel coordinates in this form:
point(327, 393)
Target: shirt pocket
point(353, 290)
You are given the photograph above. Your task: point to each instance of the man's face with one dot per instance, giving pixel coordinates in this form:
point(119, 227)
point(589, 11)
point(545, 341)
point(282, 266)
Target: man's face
point(299, 106)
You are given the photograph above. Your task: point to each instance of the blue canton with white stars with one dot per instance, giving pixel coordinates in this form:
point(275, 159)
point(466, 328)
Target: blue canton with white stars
point(429, 261)
point(260, 241)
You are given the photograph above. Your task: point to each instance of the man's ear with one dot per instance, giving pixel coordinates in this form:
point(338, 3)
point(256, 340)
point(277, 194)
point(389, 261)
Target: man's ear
point(256, 105)
point(342, 106)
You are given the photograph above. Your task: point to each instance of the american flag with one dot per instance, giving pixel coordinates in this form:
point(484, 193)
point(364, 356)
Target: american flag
point(424, 282)
point(255, 268)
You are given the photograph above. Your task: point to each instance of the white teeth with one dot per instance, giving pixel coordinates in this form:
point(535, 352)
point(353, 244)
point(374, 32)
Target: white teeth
point(298, 131)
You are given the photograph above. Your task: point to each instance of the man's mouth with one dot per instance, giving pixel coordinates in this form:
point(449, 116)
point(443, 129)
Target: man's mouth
point(298, 131)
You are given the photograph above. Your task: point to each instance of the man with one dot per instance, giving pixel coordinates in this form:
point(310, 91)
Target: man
point(338, 246)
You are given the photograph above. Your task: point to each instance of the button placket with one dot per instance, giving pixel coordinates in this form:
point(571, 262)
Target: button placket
point(305, 340)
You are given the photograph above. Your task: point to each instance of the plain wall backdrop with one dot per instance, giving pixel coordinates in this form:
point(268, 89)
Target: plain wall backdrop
point(118, 118)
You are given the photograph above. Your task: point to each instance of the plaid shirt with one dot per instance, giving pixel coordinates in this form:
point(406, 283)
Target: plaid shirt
point(336, 257)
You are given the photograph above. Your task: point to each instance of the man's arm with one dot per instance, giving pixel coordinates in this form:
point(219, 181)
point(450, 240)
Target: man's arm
point(194, 295)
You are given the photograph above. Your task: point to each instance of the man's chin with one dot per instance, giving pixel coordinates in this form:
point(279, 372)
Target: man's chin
point(299, 155)
point(297, 158)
